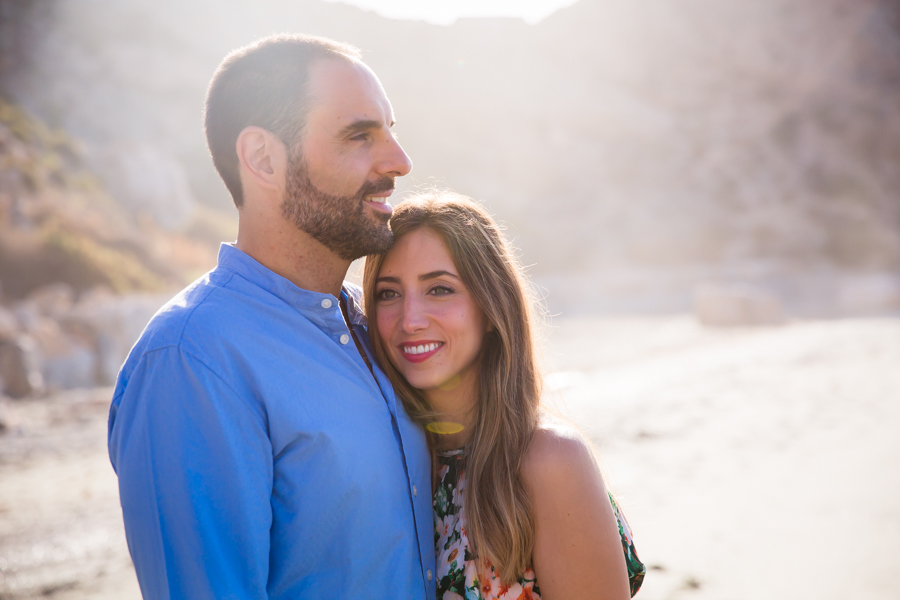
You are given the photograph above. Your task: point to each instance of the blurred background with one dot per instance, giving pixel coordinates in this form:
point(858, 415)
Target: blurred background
point(706, 194)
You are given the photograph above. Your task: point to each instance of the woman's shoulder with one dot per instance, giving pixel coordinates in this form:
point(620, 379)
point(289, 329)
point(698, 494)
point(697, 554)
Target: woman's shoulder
point(557, 455)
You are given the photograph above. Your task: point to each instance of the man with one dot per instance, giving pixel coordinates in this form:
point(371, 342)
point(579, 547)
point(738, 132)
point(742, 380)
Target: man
point(260, 451)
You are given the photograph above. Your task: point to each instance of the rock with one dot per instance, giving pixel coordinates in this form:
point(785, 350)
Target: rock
point(113, 323)
point(66, 361)
point(27, 314)
point(144, 180)
point(869, 294)
point(9, 325)
point(53, 300)
point(730, 304)
point(19, 368)
point(5, 421)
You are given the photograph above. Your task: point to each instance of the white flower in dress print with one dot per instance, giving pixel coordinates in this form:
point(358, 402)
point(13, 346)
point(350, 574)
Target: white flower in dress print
point(460, 525)
point(459, 491)
point(451, 558)
point(489, 587)
point(445, 528)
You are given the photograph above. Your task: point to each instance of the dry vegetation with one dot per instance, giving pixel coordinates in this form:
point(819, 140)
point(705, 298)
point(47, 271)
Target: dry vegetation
point(59, 224)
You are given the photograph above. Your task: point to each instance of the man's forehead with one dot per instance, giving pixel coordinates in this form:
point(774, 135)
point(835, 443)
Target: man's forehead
point(344, 90)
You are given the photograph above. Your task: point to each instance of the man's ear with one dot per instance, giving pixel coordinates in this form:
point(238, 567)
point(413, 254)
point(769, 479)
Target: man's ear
point(262, 156)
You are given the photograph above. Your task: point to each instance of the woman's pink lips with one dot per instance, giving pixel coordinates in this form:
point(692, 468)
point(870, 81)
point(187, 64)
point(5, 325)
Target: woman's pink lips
point(417, 358)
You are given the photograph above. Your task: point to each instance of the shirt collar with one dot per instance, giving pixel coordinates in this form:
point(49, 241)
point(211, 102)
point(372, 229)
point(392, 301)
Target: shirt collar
point(247, 267)
point(353, 296)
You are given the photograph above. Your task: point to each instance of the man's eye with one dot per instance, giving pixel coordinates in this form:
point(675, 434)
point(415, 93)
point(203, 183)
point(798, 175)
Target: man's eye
point(360, 137)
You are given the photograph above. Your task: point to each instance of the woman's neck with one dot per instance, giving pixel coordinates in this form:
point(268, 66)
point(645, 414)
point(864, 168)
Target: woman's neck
point(455, 405)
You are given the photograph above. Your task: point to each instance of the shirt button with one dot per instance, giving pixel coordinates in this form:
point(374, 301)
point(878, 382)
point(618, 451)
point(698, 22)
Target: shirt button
point(414, 491)
point(326, 303)
point(428, 572)
point(345, 338)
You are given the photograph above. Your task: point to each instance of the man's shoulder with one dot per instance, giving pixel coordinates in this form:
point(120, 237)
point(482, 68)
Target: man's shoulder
point(191, 307)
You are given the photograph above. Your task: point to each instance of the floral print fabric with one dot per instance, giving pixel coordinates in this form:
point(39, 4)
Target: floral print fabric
point(458, 576)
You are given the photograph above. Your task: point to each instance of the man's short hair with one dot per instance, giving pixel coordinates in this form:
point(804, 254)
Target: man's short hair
point(263, 84)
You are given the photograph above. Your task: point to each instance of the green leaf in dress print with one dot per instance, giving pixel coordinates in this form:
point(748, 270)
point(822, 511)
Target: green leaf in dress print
point(440, 500)
point(474, 592)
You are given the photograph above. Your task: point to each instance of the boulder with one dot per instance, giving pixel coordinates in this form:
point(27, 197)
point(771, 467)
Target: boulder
point(27, 314)
point(872, 293)
point(5, 421)
point(113, 323)
point(66, 361)
point(144, 180)
point(731, 304)
point(19, 371)
point(53, 300)
point(9, 325)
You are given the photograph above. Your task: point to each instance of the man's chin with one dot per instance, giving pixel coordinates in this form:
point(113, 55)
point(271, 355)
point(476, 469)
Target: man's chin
point(383, 243)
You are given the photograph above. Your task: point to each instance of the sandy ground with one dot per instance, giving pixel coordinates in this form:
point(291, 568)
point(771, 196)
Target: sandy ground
point(61, 532)
point(752, 463)
point(757, 463)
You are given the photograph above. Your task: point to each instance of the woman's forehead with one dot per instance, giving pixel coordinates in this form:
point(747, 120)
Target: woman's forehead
point(418, 252)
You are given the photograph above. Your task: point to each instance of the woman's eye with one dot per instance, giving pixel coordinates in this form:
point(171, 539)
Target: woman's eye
point(386, 294)
point(441, 290)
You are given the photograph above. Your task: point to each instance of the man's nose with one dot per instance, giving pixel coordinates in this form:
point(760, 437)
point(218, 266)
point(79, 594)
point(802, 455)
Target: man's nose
point(394, 161)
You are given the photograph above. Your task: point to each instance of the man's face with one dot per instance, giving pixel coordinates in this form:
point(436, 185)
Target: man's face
point(342, 172)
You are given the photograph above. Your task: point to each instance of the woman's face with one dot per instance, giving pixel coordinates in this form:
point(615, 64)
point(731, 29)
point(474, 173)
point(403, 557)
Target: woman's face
point(429, 324)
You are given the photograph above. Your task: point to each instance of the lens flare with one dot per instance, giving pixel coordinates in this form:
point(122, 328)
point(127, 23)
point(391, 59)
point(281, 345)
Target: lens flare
point(444, 427)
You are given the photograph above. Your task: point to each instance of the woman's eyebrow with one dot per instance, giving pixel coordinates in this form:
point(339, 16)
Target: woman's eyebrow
point(436, 274)
point(388, 280)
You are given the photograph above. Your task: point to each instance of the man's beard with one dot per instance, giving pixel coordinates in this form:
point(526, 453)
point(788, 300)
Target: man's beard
point(339, 223)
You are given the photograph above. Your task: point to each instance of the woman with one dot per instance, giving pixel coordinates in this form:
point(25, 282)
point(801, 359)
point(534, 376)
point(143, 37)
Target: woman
point(517, 500)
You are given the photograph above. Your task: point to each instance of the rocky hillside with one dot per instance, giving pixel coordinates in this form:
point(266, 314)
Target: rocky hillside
point(78, 272)
point(635, 143)
point(59, 224)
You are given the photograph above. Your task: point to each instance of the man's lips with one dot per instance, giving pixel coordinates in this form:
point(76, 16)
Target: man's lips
point(379, 201)
point(419, 351)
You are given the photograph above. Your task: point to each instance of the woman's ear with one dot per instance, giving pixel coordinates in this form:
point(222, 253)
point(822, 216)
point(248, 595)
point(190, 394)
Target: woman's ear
point(262, 158)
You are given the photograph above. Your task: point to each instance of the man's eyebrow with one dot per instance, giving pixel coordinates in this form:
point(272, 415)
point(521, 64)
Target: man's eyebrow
point(436, 274)
point(362, 125)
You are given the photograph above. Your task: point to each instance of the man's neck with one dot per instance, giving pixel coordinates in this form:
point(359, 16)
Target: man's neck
point(294, 255)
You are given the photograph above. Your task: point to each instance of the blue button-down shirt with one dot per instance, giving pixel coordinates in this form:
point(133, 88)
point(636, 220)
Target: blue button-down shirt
point(257, 455)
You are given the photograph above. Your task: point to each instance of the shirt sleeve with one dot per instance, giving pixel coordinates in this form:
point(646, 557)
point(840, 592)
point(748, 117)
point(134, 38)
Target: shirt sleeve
point(195, 471)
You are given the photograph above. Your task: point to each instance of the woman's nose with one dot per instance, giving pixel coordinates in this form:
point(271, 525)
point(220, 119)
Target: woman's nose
point(414, 316)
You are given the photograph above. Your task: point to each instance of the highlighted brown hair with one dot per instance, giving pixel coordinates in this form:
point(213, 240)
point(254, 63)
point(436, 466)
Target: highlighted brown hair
point(499, 520)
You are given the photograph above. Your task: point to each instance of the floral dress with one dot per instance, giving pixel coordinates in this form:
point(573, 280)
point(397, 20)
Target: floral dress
point(457, 572)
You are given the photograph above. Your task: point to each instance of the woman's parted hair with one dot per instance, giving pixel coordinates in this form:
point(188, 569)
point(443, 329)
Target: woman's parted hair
point(499, 520)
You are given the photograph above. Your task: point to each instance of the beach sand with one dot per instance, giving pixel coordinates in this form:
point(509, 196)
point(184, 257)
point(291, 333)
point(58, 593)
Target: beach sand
point(752, 463)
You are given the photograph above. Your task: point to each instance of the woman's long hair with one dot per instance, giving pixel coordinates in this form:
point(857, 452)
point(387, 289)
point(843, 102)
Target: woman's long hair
point(499, 519)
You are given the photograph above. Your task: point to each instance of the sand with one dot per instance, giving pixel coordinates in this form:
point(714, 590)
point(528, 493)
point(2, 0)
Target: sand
point(753, 463)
